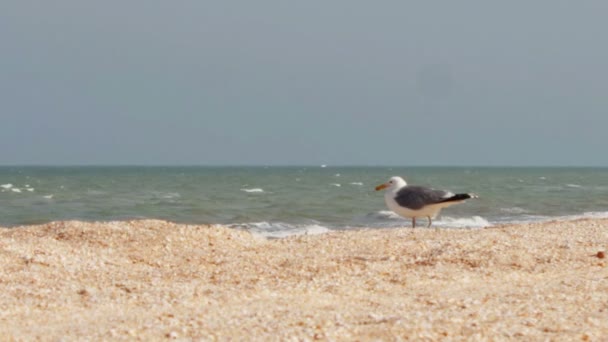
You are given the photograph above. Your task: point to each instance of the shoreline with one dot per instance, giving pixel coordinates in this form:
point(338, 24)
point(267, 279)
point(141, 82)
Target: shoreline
point(150, 279)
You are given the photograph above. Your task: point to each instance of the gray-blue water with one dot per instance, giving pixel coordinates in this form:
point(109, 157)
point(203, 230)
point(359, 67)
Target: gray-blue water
point(278, 201)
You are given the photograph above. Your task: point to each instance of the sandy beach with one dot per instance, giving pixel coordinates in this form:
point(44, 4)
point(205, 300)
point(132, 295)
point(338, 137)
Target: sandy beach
point(155, 280)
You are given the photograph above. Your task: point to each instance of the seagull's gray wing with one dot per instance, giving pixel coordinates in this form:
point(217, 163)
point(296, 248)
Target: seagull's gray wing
point(416, 197)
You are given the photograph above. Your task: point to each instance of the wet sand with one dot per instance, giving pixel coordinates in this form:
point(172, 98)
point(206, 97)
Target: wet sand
point(154, 280)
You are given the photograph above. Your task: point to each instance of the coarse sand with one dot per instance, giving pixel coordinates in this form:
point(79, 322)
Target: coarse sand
point(155, 280)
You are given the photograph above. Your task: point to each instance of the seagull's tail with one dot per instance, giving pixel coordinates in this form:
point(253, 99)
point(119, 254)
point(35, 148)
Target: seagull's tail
point(459, 197)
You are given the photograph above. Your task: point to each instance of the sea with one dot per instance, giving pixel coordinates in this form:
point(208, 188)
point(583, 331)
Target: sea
point(277, 202)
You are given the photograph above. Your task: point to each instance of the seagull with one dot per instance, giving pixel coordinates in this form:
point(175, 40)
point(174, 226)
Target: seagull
point(417, 201)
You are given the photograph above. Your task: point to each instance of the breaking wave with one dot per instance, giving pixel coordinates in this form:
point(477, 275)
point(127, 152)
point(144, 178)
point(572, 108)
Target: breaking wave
point(253, 190)
point(277, 230)
point(462, 222)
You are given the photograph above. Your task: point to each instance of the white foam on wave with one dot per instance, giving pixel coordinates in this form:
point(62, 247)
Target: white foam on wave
point(30, 189)
point(253, 190)
point(591, 215)
point(48, 196)
point(356, 183)
point(384, 215)
point(7, 186)
point(462, 222)
point(514, 210)
point(277, 230)
point(574, 186)
point(16, 190)
point(543, 218)
point(170, 195)
point(444, 221)
point(528, 218)
point(336, 185)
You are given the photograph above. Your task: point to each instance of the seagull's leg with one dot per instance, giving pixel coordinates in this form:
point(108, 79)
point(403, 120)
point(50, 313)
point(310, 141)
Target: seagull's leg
point(413, 222)
point(430, 222)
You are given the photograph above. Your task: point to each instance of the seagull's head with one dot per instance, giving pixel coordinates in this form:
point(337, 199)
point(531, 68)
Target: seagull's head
point(393, 184)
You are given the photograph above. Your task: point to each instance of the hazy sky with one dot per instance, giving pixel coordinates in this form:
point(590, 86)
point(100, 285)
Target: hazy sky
point(304, 82)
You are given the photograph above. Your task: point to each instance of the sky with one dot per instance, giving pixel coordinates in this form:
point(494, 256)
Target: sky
point(344, 82)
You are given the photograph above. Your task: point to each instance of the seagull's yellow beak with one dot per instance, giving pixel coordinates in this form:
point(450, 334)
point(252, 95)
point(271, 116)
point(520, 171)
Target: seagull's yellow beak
point(381, 186)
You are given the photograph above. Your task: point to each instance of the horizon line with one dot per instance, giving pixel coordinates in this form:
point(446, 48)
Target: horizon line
point(304, 165)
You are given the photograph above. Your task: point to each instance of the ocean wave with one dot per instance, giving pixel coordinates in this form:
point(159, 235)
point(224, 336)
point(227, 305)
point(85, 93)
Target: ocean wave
point(356, 183)
point(383, 215)
point(523, 219)
point(481, 222)
point(336, 185)
point(574, 186)
point(462, 222)
point(514, 210)
point(6, 186)
point(277, 230)
point(253, 190)
point(591, 214)
point(444, 221)
point(170, 195)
